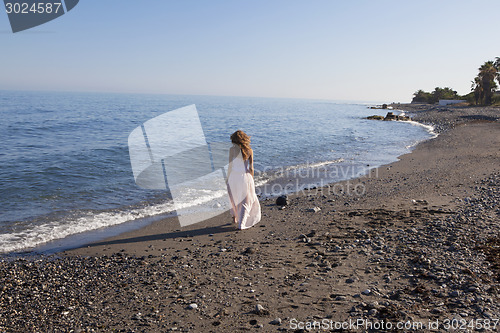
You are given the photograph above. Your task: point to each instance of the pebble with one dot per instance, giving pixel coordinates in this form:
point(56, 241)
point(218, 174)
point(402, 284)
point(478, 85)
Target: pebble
point(276, 321)
point(260, 310)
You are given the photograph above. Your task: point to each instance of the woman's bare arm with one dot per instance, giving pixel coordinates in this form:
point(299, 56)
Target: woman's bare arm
point(231, 158)
point(251, 163)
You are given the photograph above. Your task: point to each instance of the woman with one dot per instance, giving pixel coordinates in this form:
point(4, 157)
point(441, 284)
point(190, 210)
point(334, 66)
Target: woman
point(245, 206)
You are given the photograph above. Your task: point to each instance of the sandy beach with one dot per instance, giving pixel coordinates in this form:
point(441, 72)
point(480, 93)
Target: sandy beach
point(412, 243)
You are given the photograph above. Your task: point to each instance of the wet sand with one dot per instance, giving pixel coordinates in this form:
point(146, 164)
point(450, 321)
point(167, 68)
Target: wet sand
point(413, 242)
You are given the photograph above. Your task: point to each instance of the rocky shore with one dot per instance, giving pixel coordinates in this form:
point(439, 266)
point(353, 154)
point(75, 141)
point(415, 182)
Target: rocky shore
point(448, 116)
point(414, 245)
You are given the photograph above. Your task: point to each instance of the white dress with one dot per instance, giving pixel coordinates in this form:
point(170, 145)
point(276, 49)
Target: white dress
point(245, 205)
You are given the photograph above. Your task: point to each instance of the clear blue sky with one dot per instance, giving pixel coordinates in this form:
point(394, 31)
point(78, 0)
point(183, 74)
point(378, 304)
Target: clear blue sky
point(326, 49)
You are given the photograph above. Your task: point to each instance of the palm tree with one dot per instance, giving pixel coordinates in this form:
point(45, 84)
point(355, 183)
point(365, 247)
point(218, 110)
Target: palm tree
point(497, 66)
point(487, 75)
point(476, 88)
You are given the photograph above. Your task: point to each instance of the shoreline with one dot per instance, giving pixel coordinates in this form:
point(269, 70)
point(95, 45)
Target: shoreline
point(315, 177)
point(413, 247)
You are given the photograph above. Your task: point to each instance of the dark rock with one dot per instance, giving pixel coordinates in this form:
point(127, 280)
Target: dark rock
point(375, 117)
point(249, 250)
point(282, 201)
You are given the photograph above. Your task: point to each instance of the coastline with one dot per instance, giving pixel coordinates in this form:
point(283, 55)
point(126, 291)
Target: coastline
point(413, 246)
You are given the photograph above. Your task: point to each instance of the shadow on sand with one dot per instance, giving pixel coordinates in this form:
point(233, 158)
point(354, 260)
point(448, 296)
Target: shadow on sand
point(171, 235)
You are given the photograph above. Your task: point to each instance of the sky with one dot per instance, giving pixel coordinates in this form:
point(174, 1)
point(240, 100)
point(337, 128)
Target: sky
point(381, 51)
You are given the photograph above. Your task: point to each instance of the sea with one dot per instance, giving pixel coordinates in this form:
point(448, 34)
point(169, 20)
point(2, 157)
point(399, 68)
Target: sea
point(65, 169)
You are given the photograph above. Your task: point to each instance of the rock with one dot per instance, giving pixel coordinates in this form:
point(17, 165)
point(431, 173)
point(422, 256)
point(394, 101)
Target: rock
point(282, 201)
point(260, 310)
point(249, 250)
point(455, 293)
point(340, 298)
point(419, 202)
point(312, 233)
point(389, 116)
point(366, 292)
point(304, 238)
point(437, 311)
point(392, 116)
point(193, 306)
point(375, 117)
point(372, 312)
point(276, 321)
point(314, 209)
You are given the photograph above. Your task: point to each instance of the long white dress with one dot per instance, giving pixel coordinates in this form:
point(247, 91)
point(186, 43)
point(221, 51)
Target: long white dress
point(245, 205)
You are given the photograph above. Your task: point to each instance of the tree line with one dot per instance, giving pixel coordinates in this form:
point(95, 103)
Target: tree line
point(483, 88)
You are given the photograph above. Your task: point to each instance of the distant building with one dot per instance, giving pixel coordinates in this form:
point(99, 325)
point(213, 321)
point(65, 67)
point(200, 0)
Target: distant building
point(451, 101)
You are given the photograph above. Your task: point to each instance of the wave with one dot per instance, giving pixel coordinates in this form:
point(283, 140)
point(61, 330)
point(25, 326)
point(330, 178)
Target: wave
point(429, 128)
point(37, 234)
point(313, 165)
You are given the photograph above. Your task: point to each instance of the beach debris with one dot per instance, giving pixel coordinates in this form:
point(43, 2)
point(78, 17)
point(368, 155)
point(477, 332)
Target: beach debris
point(282, 201)
point(260, 310)
point(276, 321)
point(366, 292)
point(249, 250)
point(304, 238)
point(419, 202)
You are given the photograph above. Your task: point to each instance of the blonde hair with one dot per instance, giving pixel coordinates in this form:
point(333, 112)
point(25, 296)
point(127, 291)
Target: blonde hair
point(243, 141)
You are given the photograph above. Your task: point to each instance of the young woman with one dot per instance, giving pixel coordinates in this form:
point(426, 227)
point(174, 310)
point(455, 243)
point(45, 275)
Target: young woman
point(245, 206)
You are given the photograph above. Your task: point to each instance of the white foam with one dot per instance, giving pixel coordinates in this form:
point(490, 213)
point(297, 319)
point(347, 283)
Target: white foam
point(36, 235)
point(314, 165)
point(430, 129)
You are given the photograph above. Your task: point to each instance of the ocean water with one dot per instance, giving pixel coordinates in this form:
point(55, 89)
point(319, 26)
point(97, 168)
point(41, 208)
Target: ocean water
point(65, 168)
